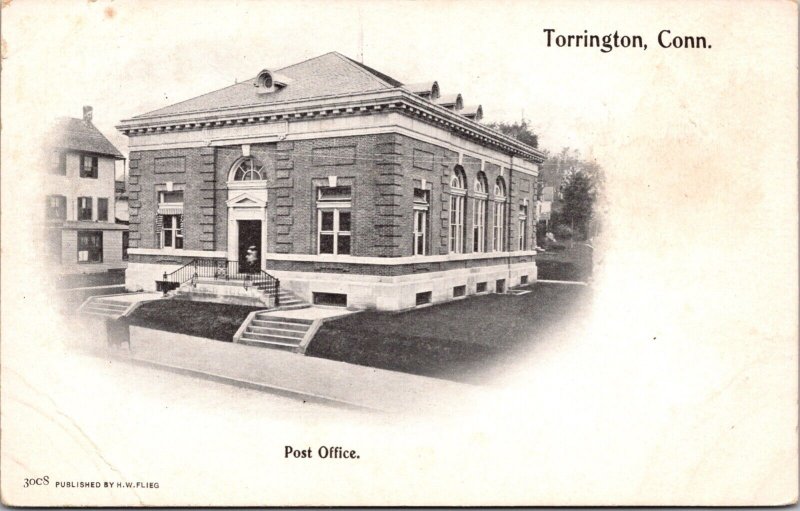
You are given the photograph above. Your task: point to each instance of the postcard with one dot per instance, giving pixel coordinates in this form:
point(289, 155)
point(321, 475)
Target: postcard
point(392, 253)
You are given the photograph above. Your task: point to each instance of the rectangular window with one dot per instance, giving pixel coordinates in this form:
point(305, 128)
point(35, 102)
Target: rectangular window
point(170, 198)
point(423, 298)
point(171, 231)
point(102, 210)
point(523, 228)
point(334, 220)
point(479, 226)
point(523, 280)
point(459, 291)
point(335, 299)
point(421, 207)
point(85, 208)
point(56, 207)
point(498, 239)
point(90, 246)
point(89, 166)
point(58, 163)
point(500, 286)
point(457, 224)
point(125, 244)
point(481, 287)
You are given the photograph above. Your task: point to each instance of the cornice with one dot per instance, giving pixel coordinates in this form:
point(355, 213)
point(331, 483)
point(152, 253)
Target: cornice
point(394, 100)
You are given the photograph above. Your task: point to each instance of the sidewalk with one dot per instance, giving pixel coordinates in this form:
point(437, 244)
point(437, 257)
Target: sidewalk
point(307, 378)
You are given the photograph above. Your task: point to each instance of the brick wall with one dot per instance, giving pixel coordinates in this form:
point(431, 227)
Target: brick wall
point(382, 169)
point(196, 174)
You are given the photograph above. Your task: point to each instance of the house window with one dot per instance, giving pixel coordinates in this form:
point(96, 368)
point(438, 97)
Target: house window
point(58, 163)
point(421, 208)
point(481, 287)
point(459, 291)
point(333, 220)
point(498, 237)
point(523, 227)
point(172, 231)
point(85, 208)
point(248, 169)
point(102, 210)
point(458, 189)
point(56, 207)
point(89, 166)
point(479, 214)
point(90, 246)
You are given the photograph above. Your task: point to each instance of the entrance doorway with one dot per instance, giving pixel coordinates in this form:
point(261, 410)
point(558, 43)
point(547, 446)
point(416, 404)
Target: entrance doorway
point(249, 246)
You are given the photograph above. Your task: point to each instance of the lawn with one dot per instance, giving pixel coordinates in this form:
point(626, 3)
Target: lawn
point(453, 340)
point(218, 321)
point(572, 263)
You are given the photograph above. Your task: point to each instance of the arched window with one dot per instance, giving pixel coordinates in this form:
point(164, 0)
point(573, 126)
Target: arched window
point(480, 183)
point(500, 188)
point(498, 237)
point(479, 214)
point(458, 191)
point(458, 181)
point(248, 169)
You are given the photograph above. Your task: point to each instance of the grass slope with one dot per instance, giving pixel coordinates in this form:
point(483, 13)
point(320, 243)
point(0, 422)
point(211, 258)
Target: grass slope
point(218, 321)
point(450, 340)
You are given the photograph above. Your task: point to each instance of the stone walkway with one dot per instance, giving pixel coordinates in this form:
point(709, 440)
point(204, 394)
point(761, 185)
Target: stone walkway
point(303, 377)
point(312, 312)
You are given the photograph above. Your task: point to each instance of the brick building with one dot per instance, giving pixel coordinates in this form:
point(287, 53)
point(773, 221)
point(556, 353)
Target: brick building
point(347, 185)
point(81, 233)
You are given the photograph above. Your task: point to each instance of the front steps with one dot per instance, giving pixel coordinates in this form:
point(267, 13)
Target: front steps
point(275, 332)
point(99, 306)
point(233, 292)
point(290, 301)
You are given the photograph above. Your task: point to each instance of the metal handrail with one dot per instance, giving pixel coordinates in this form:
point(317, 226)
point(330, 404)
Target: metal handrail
point(268, 284)
point(221, 269)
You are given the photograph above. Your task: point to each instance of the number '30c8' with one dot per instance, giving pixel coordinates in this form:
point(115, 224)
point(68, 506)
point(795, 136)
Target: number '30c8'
point(38, 481)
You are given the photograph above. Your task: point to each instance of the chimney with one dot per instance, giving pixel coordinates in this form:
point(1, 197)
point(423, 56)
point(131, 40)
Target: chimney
point(87, 114)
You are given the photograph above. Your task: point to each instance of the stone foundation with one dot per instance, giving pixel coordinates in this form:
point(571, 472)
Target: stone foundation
point(400, 292)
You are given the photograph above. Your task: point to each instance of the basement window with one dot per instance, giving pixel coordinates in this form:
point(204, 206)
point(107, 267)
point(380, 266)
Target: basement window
point(523, 280)
point(500, 286)
point(334, 299)
point(423, 298)
point(481, 287)
point(459, 291)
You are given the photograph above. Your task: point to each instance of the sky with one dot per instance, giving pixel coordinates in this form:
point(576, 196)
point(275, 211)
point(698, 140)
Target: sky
point(127, 58)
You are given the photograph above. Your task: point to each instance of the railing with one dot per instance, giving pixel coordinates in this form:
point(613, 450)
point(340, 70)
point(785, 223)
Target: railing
point(268, 284)
point(175, 279)
point(219, 269)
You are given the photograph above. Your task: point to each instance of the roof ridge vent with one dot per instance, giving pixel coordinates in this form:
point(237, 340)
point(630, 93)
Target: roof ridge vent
point(269, 81)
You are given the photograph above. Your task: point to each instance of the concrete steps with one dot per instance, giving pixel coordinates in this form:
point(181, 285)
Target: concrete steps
point(275, 332)
point(290, 301)
point(104, 307)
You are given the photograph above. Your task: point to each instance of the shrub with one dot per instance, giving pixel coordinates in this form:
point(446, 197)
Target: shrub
point(563, 232)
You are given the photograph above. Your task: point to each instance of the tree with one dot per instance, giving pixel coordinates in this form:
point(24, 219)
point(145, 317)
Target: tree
point(521, 130)
point(579, 198)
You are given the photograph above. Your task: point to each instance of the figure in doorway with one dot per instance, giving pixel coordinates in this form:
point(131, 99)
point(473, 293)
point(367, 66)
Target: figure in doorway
point(251, 260)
